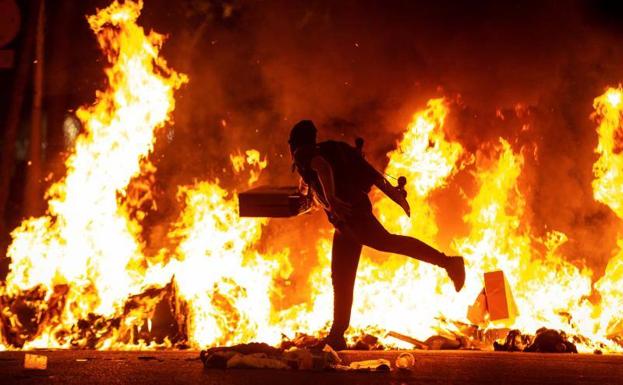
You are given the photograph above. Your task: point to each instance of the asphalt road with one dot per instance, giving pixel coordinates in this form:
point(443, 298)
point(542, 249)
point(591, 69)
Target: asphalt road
point(443, 367)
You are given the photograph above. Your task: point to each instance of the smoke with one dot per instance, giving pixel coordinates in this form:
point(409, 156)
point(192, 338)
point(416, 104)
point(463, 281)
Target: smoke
point(363, 68)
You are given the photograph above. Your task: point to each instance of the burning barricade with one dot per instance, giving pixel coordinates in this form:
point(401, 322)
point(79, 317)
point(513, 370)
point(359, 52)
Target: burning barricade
point(80, 276)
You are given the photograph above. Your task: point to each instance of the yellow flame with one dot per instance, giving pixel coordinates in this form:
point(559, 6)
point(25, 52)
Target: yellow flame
point(607, 188)
point(395, 284)
point(86, 240)
point(82, 263)
point(427, 159)
point(225, 281)
point(548, 291)
point(250, 159)
point(608, 170)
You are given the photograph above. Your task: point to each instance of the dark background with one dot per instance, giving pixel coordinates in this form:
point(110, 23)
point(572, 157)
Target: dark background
point(361, 68)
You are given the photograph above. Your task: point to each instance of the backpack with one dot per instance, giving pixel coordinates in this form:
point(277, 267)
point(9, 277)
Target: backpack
point(352, 173)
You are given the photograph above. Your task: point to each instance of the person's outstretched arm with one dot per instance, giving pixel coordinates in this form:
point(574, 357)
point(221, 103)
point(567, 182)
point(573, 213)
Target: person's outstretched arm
point(376, 178)
point(393, 193)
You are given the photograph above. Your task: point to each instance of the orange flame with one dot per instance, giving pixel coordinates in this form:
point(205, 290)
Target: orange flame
point(86, 240)
point(608, 189)
point(84, 262)
point(548, 291)
point(427, 160)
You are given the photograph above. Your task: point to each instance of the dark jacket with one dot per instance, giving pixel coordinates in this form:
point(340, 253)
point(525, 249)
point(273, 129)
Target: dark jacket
point(353, 175)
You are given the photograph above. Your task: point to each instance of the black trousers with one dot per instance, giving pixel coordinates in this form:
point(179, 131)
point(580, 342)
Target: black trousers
point(349, 237)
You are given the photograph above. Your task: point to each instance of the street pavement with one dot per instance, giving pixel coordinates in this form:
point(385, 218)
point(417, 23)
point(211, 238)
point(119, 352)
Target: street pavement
point(431, 367)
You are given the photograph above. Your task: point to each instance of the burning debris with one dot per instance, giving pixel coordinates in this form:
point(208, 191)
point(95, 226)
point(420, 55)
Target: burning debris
point(545, 341)
point(80, 276)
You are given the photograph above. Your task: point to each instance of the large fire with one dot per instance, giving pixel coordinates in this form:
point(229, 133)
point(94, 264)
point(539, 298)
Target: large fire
point(80, 275)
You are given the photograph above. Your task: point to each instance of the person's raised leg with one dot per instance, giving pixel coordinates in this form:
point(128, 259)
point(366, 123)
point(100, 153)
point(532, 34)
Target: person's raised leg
point(371, 232)
point(344, 261)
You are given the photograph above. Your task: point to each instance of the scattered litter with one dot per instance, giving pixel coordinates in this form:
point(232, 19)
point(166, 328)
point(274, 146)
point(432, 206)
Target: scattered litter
point(491, 335)
point(551, 341)
point(405, 361)
point(443, 343)
point(545, 341)
point(432, 343)
point(255, 360)
point(260, 355)
point(477, 312)
point(35, 361)
point(367, 342)
point(495, 302)
point(417, 343)
point(300, 341)
point(334, 357)
point(341, 368)
point(305, 353)
point(514, 342)
point(380, 365)
point(299, 358)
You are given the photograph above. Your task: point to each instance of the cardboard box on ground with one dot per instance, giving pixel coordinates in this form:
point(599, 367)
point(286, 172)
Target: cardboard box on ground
point(495, 301)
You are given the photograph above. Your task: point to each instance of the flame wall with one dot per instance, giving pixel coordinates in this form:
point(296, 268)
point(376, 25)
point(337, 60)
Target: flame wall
point(511, 160)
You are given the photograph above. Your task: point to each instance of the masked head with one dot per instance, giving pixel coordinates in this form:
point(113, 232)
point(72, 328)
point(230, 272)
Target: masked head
point(302, 144)
point(302, 135)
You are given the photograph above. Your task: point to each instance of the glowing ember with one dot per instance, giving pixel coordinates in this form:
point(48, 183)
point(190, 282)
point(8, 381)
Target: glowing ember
point(250, 158)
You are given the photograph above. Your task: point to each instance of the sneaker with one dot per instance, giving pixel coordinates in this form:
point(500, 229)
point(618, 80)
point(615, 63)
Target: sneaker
point(456, 271)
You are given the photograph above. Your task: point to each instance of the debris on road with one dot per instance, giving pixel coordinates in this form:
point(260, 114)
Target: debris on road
point(438, 342)
point(367, 342)
point(495, 302)
point(260, 355)
point(256, 360)
point(35, 361)
point(551, 341)
point(444, 343)
point(301, 340)
point(477, 312)
point(405, 361)
point(379, 365)
point(417, 343)
point(514, 342)
point(545, 341)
